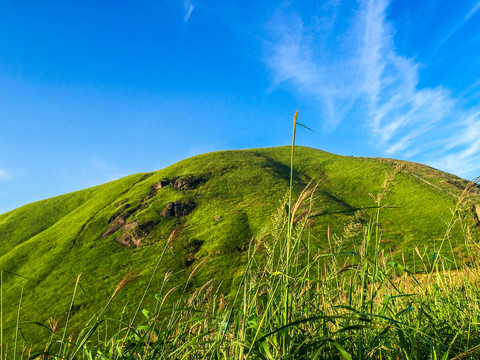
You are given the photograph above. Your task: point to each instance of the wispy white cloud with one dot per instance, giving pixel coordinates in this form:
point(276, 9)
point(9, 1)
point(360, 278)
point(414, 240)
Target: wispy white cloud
point(463, 148)
point(188, 9)
point(4, 175)
point(473, 10)
point(457, 26)
point(299, 54)
point(365, 70)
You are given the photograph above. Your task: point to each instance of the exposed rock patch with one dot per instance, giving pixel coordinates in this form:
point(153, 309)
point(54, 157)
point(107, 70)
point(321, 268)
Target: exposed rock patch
point(125, 211)
point(161, 184)
point(129, 239)
point(133, 233)
point(118, 220)
point(178, 208)
point(188, 182)
point(130, 226)
point(142, 230)
point(115, 224)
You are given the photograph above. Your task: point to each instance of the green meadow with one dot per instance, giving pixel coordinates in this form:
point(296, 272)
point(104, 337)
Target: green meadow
point(276, 253)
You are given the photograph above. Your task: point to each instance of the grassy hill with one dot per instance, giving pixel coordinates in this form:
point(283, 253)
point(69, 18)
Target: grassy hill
point(203, 211)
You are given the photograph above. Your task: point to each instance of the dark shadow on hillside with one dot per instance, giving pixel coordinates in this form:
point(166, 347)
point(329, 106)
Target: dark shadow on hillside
point(282, 170)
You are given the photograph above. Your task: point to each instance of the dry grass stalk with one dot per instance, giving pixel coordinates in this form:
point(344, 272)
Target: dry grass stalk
point(126, 279)
point(174, 234)
point(168, 293)
point(199, 265)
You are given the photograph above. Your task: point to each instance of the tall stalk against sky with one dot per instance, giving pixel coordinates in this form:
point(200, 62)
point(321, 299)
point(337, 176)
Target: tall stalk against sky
point(292, 155)
point(289, 231)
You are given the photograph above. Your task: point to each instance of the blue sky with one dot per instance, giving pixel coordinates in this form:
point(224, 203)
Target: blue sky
point(94, 90)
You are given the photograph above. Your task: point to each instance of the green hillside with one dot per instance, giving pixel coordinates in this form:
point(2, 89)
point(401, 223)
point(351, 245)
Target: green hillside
point(207, 208)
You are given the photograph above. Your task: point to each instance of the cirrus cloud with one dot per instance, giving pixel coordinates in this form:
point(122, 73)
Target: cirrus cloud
point(4, 175)
point(363, 77)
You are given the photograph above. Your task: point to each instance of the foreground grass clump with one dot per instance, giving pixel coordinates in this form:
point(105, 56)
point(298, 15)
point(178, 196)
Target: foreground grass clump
point(292, 303)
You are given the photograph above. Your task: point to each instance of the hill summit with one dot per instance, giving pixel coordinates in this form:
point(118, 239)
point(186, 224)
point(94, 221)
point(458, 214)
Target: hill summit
point(202, 213)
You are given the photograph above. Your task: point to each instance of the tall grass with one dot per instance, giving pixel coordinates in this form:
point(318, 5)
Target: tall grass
point(296, 303)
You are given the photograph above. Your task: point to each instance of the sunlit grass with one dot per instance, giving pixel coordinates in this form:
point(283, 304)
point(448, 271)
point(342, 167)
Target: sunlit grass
point(293, 299)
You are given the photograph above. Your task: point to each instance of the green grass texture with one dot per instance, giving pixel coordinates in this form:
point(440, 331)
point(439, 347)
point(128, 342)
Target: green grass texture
point(46, 245)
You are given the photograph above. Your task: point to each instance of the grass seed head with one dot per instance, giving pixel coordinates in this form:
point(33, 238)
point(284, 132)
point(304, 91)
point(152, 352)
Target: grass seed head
point(126, 279)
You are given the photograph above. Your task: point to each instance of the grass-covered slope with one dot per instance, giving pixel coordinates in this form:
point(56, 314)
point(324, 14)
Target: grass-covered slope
point(204, 211)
